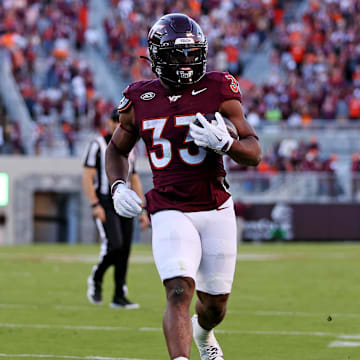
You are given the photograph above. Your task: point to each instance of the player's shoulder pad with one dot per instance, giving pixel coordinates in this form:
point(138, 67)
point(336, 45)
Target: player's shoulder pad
point(124, 104)
point(233, 84)
point(215, 76)
point(224, 79)
point(138, 88)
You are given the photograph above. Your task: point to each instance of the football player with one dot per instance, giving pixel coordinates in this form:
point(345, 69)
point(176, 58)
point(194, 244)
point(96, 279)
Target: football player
point(192, 213)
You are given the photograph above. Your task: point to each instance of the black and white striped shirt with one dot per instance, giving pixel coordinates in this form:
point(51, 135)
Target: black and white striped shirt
point(95, 158)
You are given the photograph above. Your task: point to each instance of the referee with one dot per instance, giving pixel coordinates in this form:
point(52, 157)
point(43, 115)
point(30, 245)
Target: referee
point(115, 231)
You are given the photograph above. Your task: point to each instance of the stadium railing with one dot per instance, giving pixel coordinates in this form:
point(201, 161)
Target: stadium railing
point(295, 187)
point(340, 137)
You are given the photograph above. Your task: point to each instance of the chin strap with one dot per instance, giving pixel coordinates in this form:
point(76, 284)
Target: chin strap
point(151, 63)
point(146, 58)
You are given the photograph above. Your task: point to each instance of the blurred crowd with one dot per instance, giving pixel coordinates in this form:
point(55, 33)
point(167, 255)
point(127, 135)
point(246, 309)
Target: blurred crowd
point(315, 67)
point(44, 41)
point(10, 134)
point(232, 28)
point(290, 155)
point(315, 63)
point(315, 71)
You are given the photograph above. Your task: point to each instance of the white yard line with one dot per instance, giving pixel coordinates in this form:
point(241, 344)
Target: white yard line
point(257, 313)
point(18, 306)
point(148, 258)
point(43, 356)
point(294, 314)
point(219, 331)
point(338, 343)
point(77, 307)
point(68, 327)
point(258, 257)
point(15, 273)
point(350, 337)
point(287, 333)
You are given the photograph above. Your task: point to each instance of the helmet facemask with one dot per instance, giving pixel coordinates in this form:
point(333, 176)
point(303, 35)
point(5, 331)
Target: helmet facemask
point(178, 57)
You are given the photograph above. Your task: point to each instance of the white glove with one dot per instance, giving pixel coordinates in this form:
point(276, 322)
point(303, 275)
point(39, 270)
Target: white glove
point(126, 201)
point(214, 136)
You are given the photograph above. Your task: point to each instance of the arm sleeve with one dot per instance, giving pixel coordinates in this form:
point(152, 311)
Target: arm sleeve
point(91, 154)
point(229, 88)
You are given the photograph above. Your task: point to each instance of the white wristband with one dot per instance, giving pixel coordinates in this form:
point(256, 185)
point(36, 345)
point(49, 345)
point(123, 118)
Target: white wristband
point(116, 183)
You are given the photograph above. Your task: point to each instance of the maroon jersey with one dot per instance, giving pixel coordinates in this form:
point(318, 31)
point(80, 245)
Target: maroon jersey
point(185, 176)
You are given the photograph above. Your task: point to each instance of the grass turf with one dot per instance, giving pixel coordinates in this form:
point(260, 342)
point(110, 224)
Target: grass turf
point(289, 301)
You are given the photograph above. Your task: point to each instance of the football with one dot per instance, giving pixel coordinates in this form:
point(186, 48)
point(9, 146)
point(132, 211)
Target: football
point(229, 125)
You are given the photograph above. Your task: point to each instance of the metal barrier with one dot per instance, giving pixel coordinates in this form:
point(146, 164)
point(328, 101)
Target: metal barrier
point(295, 187)
point(333, 137)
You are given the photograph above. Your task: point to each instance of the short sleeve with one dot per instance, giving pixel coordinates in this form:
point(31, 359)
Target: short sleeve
point(230, 88)
point(91, 154)
point(125, 101)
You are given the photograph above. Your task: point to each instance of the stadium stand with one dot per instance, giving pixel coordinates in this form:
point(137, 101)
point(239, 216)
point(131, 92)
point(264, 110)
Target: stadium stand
point(64, 64)
point(305, 66)
point(315, 68)
point(233, 29)
point(299, 90)
point(10, 139)
point(45, 42)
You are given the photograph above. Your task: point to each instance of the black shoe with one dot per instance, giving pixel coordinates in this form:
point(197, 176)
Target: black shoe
point(94, 291)
point(121, 302)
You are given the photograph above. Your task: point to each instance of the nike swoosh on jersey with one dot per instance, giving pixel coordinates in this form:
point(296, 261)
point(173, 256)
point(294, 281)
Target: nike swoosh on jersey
point(196, 92)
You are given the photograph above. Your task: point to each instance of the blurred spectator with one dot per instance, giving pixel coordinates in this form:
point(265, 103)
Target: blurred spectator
point(45, 41)
point(231, 27)
point(355, 172)
point(315, 66)
point(69, 136)
point(10, 136)
point(308, 68)
point(318, 55)
point(331, 184)
point(289, 155)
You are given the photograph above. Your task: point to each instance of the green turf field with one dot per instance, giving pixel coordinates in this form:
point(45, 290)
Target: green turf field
point(289, 302)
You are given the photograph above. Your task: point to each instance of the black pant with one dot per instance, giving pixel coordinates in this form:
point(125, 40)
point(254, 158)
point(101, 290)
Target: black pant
point(116, 233)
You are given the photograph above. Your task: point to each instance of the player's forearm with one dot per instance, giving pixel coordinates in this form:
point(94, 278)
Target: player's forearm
point(246, 151)
point(116, 164)
point(89, 190)
point(135, 185)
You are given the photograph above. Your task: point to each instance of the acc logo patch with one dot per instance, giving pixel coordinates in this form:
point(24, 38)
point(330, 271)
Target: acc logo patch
point(147, 96)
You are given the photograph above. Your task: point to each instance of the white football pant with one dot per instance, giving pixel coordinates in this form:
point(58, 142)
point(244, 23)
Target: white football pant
point(200, 245)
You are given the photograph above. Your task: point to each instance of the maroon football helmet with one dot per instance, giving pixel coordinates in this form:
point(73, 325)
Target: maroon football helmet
point(178, 49)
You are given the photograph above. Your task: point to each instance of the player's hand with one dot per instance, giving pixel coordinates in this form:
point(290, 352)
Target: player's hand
point(99, 212)
point(212, 135)
point(144, 221)
point(126, 201)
